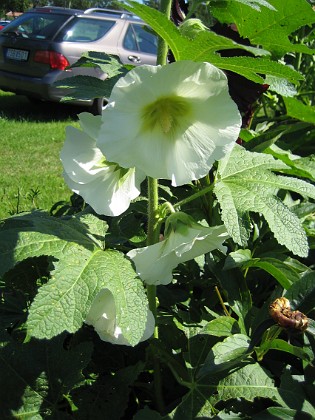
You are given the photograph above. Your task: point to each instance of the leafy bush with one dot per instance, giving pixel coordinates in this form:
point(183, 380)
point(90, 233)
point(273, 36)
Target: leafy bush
point(234, 335)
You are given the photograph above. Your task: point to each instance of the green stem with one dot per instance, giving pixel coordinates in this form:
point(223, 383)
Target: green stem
point(165, 8)
point(153, 224)
point(152, 238)
point(194, 196)
point(152, 234)
point(153, 219)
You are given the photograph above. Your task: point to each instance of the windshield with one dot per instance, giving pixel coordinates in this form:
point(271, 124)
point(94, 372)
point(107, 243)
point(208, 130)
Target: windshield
point(36, 26)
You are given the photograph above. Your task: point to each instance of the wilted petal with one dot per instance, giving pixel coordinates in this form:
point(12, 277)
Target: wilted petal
point(172, 122)
point(155, 263)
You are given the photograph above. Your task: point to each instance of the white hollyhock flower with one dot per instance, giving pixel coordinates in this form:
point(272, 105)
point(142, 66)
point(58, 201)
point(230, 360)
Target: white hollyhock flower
point(184, 240)
point(172, 122)
point(102, 316)
point(106, 186)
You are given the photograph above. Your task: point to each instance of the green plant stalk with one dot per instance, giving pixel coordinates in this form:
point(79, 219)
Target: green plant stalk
point(153, 195)
point(152, 238)
point(153, 223)
point(162, 51)
point(152, 234)
point(194, 196)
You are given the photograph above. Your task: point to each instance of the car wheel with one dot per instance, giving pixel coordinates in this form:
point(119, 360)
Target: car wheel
point(34, 100)
point(98, 106)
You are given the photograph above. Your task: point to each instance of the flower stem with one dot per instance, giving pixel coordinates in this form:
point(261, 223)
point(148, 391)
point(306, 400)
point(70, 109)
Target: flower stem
point(165, 8)
point(194, 196)
point(153, 223)
point(152, 235)
point(152, 238)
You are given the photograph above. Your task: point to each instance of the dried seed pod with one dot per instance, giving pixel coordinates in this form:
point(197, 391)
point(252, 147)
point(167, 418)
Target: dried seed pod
point(280, 311)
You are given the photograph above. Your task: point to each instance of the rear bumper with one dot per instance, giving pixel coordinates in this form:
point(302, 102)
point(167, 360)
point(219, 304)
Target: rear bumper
point(40, 88)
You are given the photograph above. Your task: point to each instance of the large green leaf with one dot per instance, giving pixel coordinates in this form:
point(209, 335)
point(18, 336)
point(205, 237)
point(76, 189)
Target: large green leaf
point(270, 28)
point(255, 4)
point(205, 45)
point(299, 166)
point(249, 382)
point(35, 376)
point(297, 109)
point(284, 346)
point(63, 303)
point(302, 293)
point(223, 326)
point(282, 271)
point(82, 269)
point(246, 184)
point(86, 87)
point(225, 355)
point(36, 234)
point(292, 393)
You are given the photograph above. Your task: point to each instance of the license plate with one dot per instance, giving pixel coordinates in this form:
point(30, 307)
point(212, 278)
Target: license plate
point(19, 55)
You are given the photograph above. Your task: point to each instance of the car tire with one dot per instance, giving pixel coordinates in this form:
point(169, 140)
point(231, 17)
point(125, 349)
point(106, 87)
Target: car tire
point(98, 106)
point(34, 100)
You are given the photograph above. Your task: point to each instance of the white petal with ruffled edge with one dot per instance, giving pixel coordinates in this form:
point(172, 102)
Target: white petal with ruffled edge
point(201, 126)
point(102, 316)
point(155, 263)
point(106, 186)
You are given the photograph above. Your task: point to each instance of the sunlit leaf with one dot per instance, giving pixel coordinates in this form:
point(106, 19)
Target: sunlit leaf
point(300, 111)
point(205, 45)
point(272, 28)
point(82, 270)
point(35, 234)
point(245, 184)
point(223, 326)
point(63, 303)
point(280, 270)
point(249, 382)
point(225, 355)
point(281, 345)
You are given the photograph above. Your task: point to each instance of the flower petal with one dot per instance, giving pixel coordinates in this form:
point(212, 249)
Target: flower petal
point(155, 263)
point(174, 121)
point(106, 186)
point(102, 316)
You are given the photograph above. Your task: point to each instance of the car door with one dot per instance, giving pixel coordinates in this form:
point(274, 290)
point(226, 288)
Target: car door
point(137, 45)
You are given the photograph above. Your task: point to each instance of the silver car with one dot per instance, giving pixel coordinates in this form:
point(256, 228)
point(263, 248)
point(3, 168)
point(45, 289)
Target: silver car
point(37, 48)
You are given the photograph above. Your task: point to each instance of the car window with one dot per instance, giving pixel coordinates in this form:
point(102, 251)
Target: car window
point(86, 30)
point(39, 26)
point(139, 38)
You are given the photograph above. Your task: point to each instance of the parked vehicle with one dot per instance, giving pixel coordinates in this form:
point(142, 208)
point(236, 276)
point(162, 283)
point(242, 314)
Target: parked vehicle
point(3, 23)
point(37, 48)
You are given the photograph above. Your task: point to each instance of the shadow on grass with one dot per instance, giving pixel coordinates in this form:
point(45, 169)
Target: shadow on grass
point(17, 107)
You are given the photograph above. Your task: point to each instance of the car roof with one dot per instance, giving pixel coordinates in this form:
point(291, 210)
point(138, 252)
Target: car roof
point(95, 11)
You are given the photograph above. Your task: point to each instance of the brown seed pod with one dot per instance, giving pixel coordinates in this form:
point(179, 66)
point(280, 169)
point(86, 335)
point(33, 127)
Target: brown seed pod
point(280, 311)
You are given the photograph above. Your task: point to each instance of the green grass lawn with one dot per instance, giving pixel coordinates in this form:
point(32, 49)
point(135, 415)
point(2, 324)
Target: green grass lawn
point(31, 139)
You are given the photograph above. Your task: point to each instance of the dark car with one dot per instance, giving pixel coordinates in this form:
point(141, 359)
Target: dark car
point(37, 48)
point(3, 23)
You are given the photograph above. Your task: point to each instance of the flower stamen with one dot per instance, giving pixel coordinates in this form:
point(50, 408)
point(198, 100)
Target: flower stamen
point(165, 113)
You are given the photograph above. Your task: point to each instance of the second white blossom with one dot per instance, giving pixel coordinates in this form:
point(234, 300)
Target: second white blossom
point(106, 186)
point(184, 240)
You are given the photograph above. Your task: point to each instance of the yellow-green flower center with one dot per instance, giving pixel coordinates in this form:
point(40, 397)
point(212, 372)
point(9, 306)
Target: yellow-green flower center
point(166, 113)
point(123, 173)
